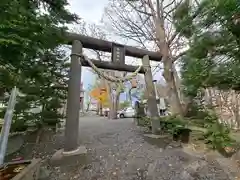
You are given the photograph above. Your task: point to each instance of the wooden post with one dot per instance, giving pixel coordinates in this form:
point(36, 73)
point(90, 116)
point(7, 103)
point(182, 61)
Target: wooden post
point(73, 104)
point(152, 102)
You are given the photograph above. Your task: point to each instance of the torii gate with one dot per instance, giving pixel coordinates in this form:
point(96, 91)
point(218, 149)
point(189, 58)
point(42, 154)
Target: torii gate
point(78, 42)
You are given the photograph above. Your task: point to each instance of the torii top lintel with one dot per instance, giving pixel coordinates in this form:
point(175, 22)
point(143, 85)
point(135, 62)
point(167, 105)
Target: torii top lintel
point(106, 46)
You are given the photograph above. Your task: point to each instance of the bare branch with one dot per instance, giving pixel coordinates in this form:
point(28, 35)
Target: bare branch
point(179, 56)
point(168, 5)
point(139, 10)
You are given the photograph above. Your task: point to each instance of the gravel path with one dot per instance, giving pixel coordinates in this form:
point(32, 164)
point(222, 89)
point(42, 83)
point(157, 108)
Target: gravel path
point(118, 151)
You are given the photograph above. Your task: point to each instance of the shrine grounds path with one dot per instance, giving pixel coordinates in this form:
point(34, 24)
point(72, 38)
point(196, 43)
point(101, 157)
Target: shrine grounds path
point(117, 150)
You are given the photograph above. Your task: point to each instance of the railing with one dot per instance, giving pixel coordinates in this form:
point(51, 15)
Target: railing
point(7, 124)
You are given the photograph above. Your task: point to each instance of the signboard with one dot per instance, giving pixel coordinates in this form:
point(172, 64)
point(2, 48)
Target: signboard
point(118, 53)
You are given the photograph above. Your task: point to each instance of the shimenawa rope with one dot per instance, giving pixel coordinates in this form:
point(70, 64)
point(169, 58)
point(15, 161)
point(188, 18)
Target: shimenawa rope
point(108, 77)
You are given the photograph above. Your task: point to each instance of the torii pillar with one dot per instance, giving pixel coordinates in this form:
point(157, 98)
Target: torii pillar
point(152, 102)
point(72, 146)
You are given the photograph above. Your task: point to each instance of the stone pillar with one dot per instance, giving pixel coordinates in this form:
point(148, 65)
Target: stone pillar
point(152, 102)
point(73, 104)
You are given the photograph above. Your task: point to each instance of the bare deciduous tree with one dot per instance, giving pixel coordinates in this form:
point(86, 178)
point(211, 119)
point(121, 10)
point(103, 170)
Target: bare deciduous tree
point(96, 31)
point(149, 23)
point(226, 105)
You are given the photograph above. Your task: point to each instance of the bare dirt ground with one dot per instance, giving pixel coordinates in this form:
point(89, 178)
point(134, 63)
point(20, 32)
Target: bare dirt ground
point(117, 150)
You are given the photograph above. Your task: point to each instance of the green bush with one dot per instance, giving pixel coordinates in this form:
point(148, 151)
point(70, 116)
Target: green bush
point(217, 135)
point(196, 112)
point(172, 124)
point(51, 122)
point(144, 121)
point(166, 123)
point(18, 125)
point(173, 119)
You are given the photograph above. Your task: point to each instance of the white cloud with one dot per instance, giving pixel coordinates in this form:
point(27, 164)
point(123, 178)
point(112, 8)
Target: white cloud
point(89, 10)
point(92, 12)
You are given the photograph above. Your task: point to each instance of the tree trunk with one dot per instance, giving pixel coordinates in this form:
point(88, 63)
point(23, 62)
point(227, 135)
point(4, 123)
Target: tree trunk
point(174, 101)
point(173, 96)
point(110, 99)
point(98, 108)
point(152, 102)
point(178, 85)
point(115, 100)
point(88, 105)
point(115, 106)
point(208, 97)
point(184, 100)
point(236, 109)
